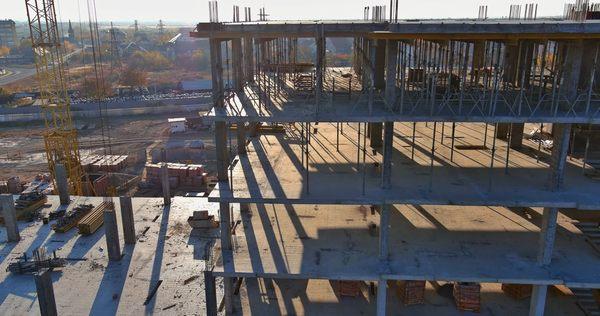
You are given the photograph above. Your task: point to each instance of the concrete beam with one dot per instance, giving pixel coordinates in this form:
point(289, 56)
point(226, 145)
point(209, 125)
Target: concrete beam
point(62, 183)
point(45, 292)
point(9, 213)
point(127, 219)
point(164, 179)
point(113, 245)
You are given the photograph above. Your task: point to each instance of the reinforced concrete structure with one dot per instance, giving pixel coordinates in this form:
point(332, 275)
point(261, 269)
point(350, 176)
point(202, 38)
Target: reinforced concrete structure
point(421, 139)
point(8, 33)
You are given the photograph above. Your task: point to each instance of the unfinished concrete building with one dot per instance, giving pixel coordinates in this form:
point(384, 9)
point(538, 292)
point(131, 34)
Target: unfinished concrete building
point(412, 163)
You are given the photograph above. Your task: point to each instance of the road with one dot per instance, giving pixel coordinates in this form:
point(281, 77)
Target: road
point(16, 74)
point(22, 73)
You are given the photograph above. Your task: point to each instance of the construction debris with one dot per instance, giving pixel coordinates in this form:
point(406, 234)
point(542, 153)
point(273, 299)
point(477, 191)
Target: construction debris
point(90, 223)
point(40, 260)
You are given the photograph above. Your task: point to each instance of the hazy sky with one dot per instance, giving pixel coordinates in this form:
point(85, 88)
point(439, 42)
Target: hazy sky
point(191, 11)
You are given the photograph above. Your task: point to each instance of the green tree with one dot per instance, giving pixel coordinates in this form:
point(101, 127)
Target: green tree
point(149, 61)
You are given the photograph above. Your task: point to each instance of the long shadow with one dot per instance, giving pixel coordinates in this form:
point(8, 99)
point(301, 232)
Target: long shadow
point(112, 284)
point(158, 256)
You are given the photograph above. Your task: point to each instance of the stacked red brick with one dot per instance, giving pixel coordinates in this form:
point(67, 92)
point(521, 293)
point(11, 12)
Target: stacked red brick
point(349, 288)
point(179, 174)
point(104, 163)
point(411, 292)
point(517, 291)
point(467, 296)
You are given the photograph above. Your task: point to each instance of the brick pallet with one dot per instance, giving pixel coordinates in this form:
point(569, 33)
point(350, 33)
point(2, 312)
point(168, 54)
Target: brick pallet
point(411, 292)
point(179, 174)
point(90, 223)
point(467, 296)
point(517, 291)
point(349, 288)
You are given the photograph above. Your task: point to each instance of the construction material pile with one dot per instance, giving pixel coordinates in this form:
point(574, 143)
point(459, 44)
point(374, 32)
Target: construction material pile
point(467, 296)
point(40, 260)
point(411, 292)
point(90, 223)
point(517, 291)
point(28, 204)
point(72, 218)
point(104, 163)
point(202, 220)
point(186, 175)
point(349, 288)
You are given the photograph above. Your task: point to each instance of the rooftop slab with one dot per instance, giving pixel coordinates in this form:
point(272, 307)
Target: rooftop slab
point(274, 171)
point(478, 244)
point(405, 29)
point(167, 249)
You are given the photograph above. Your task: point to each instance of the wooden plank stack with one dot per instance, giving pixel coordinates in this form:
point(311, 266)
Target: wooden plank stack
point(90, 223)
point(71, 219)
point(517, 291)
point(411, 292)
point(467, 296)
point(349, 288)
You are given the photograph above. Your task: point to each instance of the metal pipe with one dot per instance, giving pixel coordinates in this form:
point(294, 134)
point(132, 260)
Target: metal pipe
point(432, 155)
point(452, 145)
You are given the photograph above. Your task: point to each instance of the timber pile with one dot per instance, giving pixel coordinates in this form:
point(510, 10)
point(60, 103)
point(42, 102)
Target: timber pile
point(467, 296)
point(517, 291)
point(70, 220)
point(411, 292)
point(349, 288)
point(90, 223)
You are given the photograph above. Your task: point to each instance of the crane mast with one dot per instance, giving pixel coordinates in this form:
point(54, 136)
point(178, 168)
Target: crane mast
point(60, 137)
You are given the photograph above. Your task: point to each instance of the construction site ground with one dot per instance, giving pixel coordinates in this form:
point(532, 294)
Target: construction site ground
point(22, 147)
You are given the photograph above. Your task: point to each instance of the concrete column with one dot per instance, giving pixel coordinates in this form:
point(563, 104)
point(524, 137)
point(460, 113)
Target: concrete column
point(376, 134)
point(164, 179)
point(516, 138)
point(511, 57)
point(225, 226)
point(62, 183)
point(112, 235)
point(216, 67)
point(210, 289)
point(365, 60)
point(45, 292)
point(549, 224)
point(381, 297)
point(572, 70)
point(127, 219)
point(538, 300)
point(241, 138)
point(379, 75)
point(237, 63)
point(384, 232)
point(249, 59)
point(388, 148)
point(391, 66)
point(9, 213)
point(320, 41)
point(502, 131)
point(221, 148)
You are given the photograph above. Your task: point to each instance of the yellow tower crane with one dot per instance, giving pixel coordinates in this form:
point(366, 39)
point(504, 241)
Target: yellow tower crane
point(60, 137)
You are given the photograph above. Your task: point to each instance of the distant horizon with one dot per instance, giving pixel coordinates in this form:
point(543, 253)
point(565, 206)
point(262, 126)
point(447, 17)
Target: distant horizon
point(186, 12)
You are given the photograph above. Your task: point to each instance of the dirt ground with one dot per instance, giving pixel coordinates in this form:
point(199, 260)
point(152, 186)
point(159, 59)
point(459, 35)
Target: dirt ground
point(22, 147)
